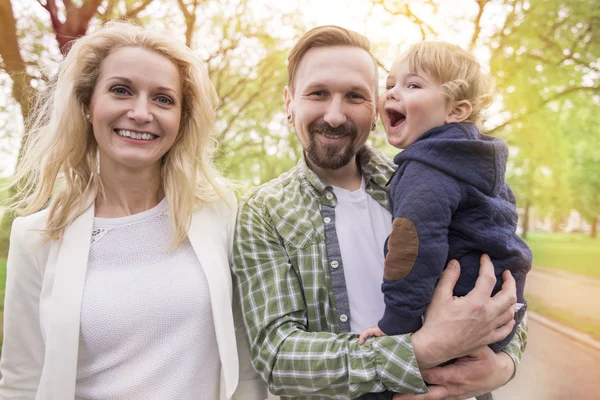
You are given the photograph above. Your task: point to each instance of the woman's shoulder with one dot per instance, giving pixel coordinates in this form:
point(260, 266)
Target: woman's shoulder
point(29, 233)
point(223, 204)
point(35, 222)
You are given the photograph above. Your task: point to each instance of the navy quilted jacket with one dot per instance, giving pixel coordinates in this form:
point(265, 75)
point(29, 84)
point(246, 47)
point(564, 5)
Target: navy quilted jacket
point(449, 200)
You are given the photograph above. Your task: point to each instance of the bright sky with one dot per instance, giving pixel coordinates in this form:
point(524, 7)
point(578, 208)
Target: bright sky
point(388, 34)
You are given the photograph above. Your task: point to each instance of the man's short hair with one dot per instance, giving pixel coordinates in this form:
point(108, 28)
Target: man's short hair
point(328, 36)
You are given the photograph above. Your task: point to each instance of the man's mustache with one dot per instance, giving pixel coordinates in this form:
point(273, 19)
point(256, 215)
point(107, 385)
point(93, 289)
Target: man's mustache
point(322, 127)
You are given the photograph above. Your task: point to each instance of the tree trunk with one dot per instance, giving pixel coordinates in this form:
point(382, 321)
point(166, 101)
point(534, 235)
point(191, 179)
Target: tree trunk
point(526, 220)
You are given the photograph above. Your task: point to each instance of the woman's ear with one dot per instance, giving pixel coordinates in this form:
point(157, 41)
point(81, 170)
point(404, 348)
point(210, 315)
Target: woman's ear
point(459, 111)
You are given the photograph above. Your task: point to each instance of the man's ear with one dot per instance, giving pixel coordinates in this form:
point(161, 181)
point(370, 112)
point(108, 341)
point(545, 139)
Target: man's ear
point(459, 111)
point(287, 101)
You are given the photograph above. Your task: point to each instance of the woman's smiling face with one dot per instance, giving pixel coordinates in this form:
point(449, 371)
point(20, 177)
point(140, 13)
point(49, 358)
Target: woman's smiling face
point(136, 108)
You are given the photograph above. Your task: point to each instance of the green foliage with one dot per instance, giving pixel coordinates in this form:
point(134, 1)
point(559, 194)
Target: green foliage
point(545, 63)
point(572, 252)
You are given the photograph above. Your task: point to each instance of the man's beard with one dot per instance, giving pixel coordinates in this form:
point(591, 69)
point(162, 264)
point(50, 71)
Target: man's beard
point(331, 156)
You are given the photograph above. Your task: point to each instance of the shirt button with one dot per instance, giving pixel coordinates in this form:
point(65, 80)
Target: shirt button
point(329, 195)
point(327, 220)
point(343, 318)
point(335, 264)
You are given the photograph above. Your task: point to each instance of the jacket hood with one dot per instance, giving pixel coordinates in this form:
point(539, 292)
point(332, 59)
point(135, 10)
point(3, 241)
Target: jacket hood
point(459, 150)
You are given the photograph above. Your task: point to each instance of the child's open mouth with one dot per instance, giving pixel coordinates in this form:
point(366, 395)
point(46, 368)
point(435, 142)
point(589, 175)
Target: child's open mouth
point(395, 117)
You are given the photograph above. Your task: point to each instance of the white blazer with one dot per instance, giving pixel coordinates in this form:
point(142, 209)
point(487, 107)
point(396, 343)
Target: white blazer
point(44, 288)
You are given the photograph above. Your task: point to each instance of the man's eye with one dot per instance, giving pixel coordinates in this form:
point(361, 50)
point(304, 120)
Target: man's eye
point(318, 93)
point(356, 96)
point(162, 99)
point(119, 90)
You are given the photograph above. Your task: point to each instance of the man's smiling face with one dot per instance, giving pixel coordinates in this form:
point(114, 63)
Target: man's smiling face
point(333, 103)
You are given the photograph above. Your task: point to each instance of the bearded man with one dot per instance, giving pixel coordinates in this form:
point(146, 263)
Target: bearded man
point(308, 257)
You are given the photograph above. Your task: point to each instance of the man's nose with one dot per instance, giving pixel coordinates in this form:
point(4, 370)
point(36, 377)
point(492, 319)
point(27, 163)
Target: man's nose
point(335, 115)
point(140, 111)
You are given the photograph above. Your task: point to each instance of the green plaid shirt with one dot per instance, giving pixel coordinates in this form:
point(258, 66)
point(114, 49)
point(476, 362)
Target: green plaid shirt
point(299, 344)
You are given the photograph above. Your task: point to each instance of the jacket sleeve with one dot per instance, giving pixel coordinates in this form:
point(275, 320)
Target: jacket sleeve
point(424, 199)
point(292, 360)
point(250, 385)
point(23, 347)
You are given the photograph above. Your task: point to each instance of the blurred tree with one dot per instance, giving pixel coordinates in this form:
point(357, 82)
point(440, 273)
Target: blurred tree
point(544, 58)
point(247, 65)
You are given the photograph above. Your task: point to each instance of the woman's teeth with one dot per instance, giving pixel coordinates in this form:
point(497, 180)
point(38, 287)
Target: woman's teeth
point(135, 135)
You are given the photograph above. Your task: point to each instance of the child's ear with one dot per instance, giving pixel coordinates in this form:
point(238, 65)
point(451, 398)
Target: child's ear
point(459, 111)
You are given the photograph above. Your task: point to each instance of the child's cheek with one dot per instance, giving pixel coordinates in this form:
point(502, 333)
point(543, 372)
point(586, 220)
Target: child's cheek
point(381, 104)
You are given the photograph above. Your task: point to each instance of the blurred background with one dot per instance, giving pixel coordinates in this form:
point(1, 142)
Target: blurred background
point(543, 56)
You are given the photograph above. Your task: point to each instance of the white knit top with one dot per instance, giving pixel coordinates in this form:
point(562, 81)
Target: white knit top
point(147, 328)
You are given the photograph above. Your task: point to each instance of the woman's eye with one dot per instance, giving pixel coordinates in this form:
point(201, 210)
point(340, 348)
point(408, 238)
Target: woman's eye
point(120, 90)
point(164, 100)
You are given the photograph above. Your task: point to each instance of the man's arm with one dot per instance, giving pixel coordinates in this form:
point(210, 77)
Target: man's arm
point(480, 372)
point(293, 361)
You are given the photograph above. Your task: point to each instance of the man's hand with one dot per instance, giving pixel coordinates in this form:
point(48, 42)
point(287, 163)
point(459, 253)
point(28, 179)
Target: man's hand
point(478, 373)
point(456, 326)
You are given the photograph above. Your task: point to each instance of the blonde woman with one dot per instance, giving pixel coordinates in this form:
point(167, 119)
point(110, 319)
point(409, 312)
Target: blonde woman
point(120, 287)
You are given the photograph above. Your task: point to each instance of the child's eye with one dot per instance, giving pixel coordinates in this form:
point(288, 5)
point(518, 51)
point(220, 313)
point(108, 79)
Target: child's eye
point(389, 87)
point(413, 86)
point(119, 90)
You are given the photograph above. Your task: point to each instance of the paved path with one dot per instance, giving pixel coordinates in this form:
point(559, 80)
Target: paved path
point(554, 367)
point(578, 294)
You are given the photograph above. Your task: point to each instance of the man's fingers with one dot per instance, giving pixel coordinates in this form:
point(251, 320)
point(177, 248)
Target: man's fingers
point(445, 286)
point(506, 298)
point(501, 332)
point(505, 317)
point(435, 393)
point(486, 281)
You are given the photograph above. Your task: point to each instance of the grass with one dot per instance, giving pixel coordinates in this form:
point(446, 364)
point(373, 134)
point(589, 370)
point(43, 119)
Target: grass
point(571, 252)
point(565, 317)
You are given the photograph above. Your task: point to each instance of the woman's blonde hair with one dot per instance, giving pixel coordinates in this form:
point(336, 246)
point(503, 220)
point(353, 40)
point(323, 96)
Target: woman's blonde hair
point(457, 70)
point(59, 158)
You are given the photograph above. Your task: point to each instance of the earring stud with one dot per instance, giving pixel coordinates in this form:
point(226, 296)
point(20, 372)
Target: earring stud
point(87, 116)
point(289, 118)
point(374, 126)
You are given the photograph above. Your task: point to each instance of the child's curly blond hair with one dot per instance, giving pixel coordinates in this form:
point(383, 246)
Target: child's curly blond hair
point(457, 70)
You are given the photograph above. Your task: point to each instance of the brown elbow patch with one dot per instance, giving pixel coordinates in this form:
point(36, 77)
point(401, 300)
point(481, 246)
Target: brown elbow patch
point(403, 248)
